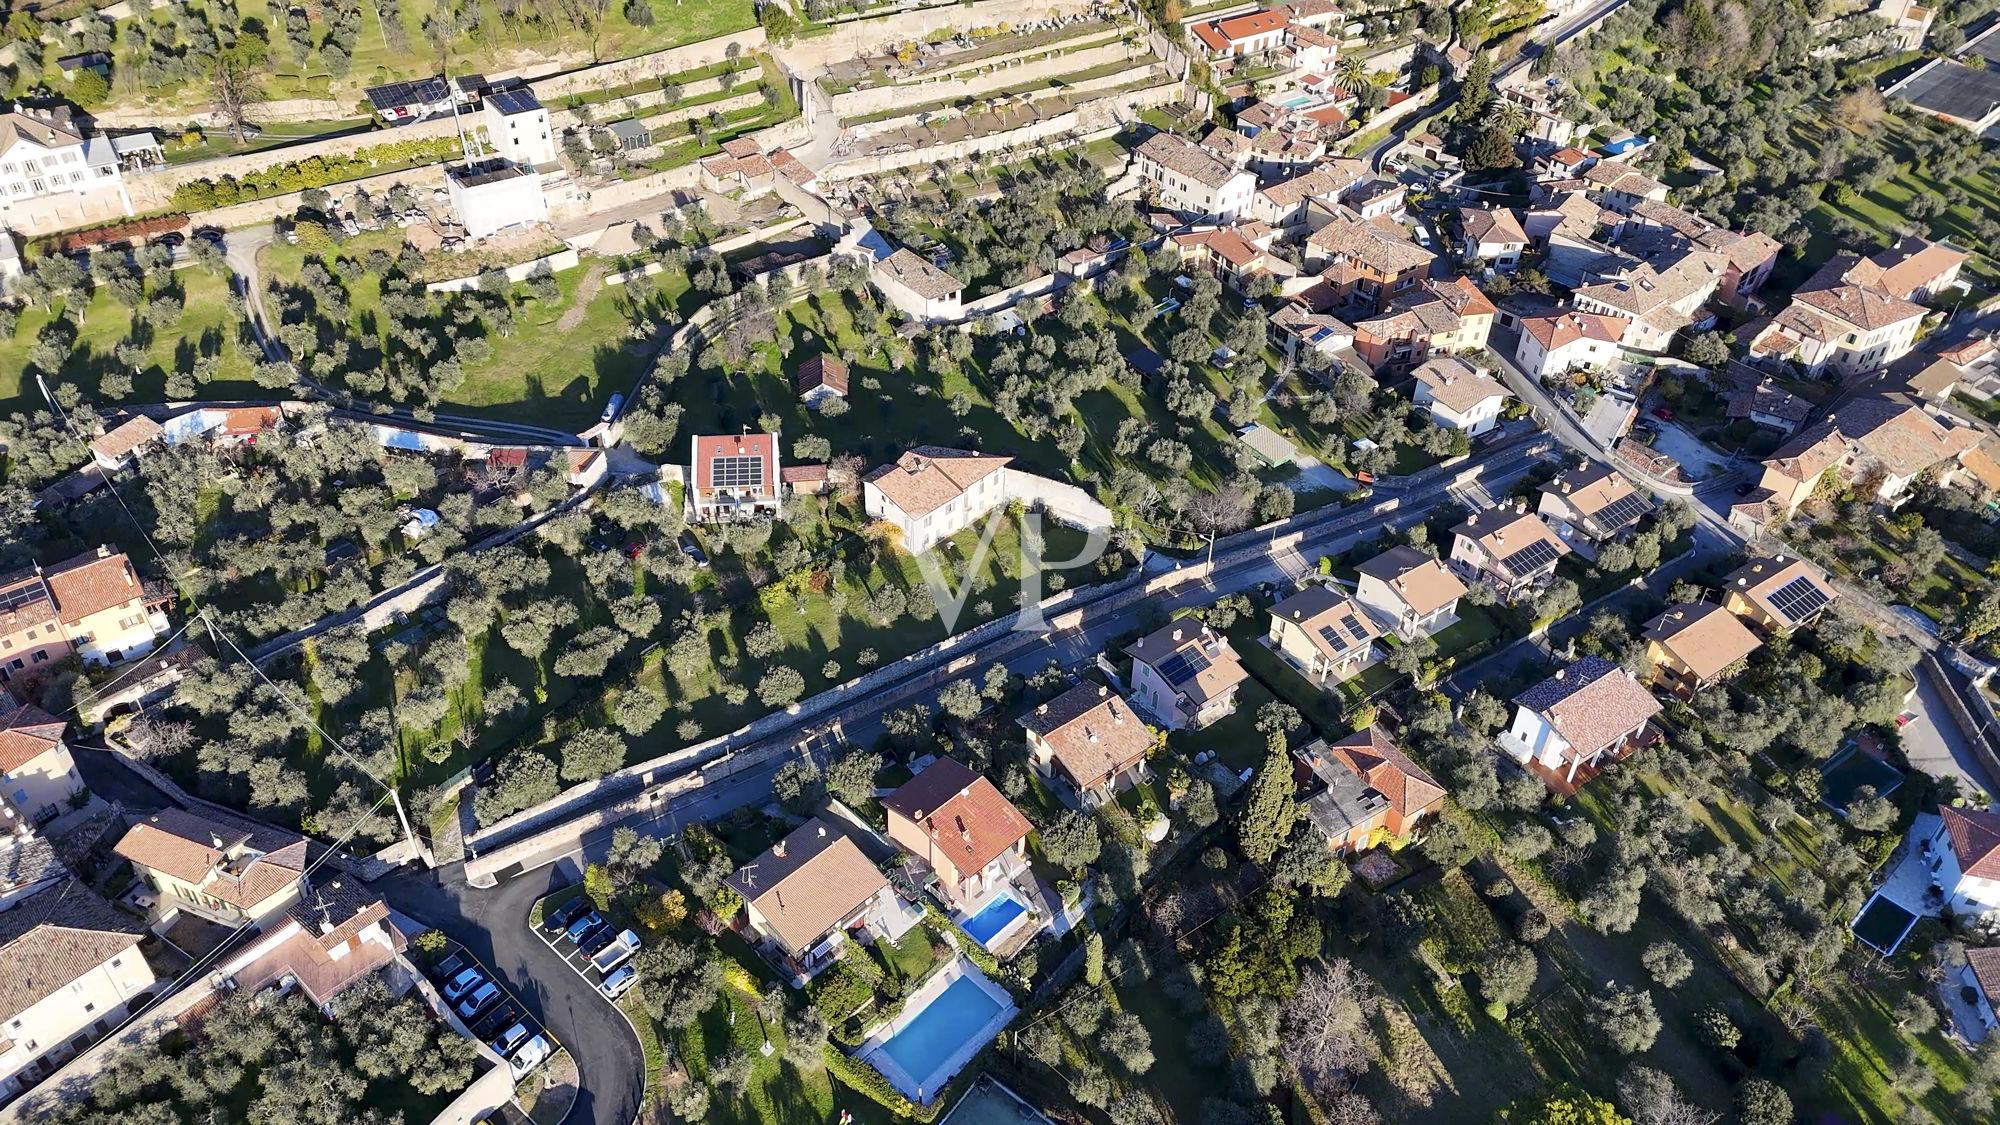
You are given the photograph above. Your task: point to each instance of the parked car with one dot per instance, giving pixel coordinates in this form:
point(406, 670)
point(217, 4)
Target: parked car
point(173, 239)
point(691, 547)
point(619, 983)
point(559, 919)
point(448, 968)
point(612, 408)
point(463, 983)
point(482, 998)
point(210, 235)
point(596, 941)
point(507, 1041)
point(527, 1057)
point(615, 951)
point(635, 548)
point(582, 926)
point(1663, 414)
point(1746, 488)
point(496, 1019)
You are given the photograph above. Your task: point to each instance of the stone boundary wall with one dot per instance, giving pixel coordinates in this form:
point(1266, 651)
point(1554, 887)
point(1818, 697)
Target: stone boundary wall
point(422, 178)
point(870, 35)
point(551, 86)
point(1152, 70)
point(557, 262)
point(860, 103)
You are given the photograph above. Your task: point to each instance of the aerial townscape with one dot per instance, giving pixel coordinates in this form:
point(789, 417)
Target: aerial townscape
point(1073, 562)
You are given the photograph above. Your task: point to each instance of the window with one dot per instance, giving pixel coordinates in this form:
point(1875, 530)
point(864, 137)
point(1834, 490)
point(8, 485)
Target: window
point(117, 961)
point(40, 656)
point(89, 1008)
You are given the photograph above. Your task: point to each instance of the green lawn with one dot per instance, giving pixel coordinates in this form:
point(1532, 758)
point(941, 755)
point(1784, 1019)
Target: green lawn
point(205, 328)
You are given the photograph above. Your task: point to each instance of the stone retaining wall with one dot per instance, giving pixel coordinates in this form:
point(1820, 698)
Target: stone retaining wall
point(870, 36)
point(860, 103)
point(551, 87)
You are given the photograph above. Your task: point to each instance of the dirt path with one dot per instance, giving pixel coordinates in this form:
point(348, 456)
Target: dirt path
point(586, 291)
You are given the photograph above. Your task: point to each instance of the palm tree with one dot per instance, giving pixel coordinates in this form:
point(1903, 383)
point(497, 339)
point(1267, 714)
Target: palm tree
point(1352, 70)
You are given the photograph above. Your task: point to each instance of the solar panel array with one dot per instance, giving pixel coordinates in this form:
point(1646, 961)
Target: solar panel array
point(736, 472)
point(27, 593)
point(1798, 600)
point(514, 101)
point(1184, 666)
point(1355, 636)
point(1532, 557)
point(1622, 511)
point(395, 95)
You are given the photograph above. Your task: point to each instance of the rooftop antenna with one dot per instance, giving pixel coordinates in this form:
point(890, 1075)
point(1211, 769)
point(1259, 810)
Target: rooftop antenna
point(750, 874)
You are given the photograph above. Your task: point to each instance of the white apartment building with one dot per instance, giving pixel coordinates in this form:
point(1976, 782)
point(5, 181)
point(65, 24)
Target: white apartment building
point(70, 970)
point(932, 493)
point(53, 176)
point(1188, 178)
point(518, 127)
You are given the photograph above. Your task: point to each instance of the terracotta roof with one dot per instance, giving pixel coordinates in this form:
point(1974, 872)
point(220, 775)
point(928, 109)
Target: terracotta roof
point(791, 167)
point(92, 583)
point(928, 477)
point(1969, 351)
point(1388, 770)
point(1591, 704)
point(1764, 398)
point(243, 864)
point(1332, 622)
point(1224, 244)
point(1620, 176)
point(1597, 493)
point(1310, 36)
point(1371, 244)
point(26, 599)
point(707, 448)
point(1496, 224)
point(964, 815)
point(306, 954)
point(1561, 329)
point(1659, 284)
point(1975, 840)
point(1457, 384)
point(1091, 732)
point(809, 882)
point(53, 938)
point(1849, 289)
point(823, 370)
point(1985, 964)
point(1502, 532)
point(130, 435)
point(1980, 463)
point(1900, 434)
point(1422, 581)
point(242, 420)
point(580, 460)
point(1704, 637)
point(26, 733)
point(1248, 26)
point(1184, 157)
point(1758, 579)
point(802, 474)
point(919, 276)
point(1220, 670)
point(1914, 263)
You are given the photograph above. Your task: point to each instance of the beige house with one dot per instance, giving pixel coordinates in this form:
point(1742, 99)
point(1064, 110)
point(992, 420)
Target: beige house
point(40, 776)
point(1459, 395)
point(93, 604)
point(920, 289)
point(1185, 675)
point(1777, 594)
point(1509, 549)
point(932, 493)
point(328, 940)
point(70, 970)
point(120, 447)
point(805, 893)
point(960, 825)
point(1844, 320)
point(1323, 633)
point(1693, 646)
point(1090, 738)
point(234, 873)
point(1590, 505)
point(1880, 446)
point(1410, 593)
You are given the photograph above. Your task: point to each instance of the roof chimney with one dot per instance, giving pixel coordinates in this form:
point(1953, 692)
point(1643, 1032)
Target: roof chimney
point(1559, 672)
point(822, 831)
point(778, 849)
point(1177, 633)
point(1102, 691)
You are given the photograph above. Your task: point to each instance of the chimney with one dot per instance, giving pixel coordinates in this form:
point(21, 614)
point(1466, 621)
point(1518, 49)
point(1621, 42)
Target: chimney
point(103, 552)
point(1043, 709)
point(1295, 613)
point(1559, 672)
point(1089, 735)
point(1102, 691)
point(1177, 634)
point(822, 831)
point(778, 849)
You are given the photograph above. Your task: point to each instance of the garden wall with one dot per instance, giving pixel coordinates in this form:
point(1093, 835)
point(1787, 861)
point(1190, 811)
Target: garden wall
point(1150, 71)
point(557, 262)
point(859, 103)
point(870, 36)
point(1100, 119)
point(156, 189)
point(551, 87)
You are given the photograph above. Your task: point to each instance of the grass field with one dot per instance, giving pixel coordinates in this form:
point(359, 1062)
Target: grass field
point(205, 328)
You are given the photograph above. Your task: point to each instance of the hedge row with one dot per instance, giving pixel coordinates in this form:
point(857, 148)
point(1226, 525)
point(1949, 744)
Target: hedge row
point(312, 172)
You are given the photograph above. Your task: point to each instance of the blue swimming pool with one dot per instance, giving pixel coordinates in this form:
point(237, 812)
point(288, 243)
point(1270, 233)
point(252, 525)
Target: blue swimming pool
point(945, 1027)
point(993, 918)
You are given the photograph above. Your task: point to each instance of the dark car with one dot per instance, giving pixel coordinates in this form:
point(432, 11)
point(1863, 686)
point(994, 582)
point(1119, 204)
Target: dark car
point(691, 547)
point(211, 235)
point(448, 968)
point(558, 920)
point(635, 548)
point(171, 239)
point(583, 927)
point(1663, 414)
point(1746, 488)
point(502, 1017)
point(597, 941)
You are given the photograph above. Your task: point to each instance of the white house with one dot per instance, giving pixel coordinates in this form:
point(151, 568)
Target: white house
point(1410, 593)
point(733, 477)
point(1560, 342)
point(806, 893)
point(1494, 236)
point(517, 125)
point(1590, 504)
point(1840, 320)
point(496, 195)
point(1185, 675)
point(932, 493)
point(52, 175)
point(1569, 726)
point(917, 287)
point(1964, 858)
point(1459, 395)
point(1187, 177)
point(70, 971)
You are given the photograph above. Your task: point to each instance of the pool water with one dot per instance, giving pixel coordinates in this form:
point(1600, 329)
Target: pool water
point(938, 1032)
point(993, 918)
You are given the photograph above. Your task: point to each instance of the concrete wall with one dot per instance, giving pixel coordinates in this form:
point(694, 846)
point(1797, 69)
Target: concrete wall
point(160, 185)
point(1097, 119)
point(1050, 64)
point(869, 36)
point(554, 87)
point(1150, 72)
point(420, 179)
point(556, 262)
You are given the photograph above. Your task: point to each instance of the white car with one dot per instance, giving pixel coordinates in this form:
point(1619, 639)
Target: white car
point(463, 983)
point(531, 1055)
point(510, 1039)
point(619, 983)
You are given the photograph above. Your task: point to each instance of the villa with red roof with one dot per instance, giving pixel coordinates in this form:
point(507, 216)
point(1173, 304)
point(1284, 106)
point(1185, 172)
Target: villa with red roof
point(732, 477)
point(1361, 785)
point(40, 775)
point(961, 827)
point(1964, 856)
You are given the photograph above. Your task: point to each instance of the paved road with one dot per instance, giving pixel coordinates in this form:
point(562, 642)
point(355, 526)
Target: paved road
point(1935, 744)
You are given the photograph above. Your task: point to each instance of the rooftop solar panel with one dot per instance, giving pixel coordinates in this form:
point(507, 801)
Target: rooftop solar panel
point(1531, 558)
point(27, 593)
point(513, 101)
point(1184, 666)
point(1798, 600)
point(1354, 628)
point(736, 472)
point(1621, 512)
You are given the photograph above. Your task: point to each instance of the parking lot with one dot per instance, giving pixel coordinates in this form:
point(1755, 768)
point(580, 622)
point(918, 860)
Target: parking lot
point(491, 1012)
point(597, 947)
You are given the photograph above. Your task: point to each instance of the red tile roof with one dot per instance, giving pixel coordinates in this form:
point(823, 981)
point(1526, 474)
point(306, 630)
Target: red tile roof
point(823, 370)
point(963, 814)
point(707, 448)
point(1975, 840)
point(26, 733)
point(92, 583)
point(1371, 754)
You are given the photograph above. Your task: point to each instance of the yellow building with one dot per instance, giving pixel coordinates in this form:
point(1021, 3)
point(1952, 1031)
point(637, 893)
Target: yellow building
point(1777, 594)
point(233, 873)
point(1692, 646)
point(37, 774)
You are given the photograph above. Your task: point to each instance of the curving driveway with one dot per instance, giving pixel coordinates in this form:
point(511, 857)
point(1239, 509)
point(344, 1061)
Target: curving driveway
point(494, 925)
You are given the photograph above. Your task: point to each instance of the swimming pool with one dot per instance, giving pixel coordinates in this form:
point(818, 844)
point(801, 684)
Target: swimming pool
point(1294, 101)
point(948, 1024)
point(994, 919)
